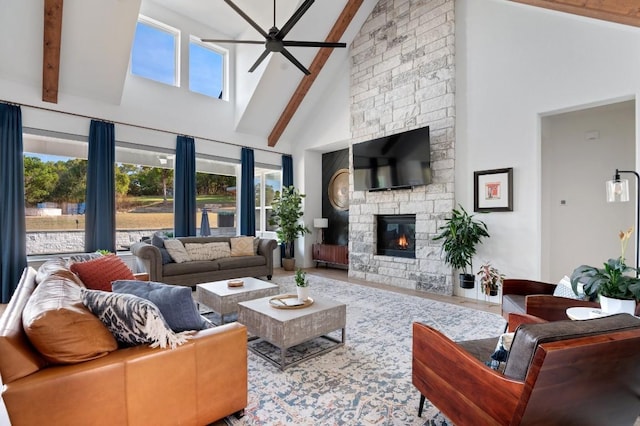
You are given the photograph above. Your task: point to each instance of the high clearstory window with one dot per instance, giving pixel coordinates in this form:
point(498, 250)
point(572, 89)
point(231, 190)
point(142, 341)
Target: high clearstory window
point(207, 69)
point(156, 51)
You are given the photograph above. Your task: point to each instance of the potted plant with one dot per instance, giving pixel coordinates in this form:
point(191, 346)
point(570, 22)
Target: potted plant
point(302, 285)
point(616, 284)
point(490, 279)
point(285, 214)
point(460, 236)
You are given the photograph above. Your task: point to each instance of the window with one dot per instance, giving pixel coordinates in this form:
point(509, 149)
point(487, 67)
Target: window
point(155, 52)
point(55, 177)
point(144, 194)
point(207, 69)
point(216, 193)
point(267, 183)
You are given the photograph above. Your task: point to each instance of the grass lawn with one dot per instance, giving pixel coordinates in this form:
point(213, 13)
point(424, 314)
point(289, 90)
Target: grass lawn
point(147, 212)
point(123, 221)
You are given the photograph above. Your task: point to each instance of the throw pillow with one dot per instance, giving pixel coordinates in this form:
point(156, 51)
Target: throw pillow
point(132, 319)
point(97, 274)
point(242, 246)
point(564, 289)
point(61, 328)
point(157, 239)
point(177, 250)
point(208, 251)
point(175, 302)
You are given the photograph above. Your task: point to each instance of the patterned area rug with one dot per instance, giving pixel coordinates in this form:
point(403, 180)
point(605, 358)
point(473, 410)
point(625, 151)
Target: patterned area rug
point(367, 381)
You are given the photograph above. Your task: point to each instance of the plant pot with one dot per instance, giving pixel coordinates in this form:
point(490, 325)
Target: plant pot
point(610, 305)
point(467, 280)
point(493, 292)
point(289, 263)
point(303, 293)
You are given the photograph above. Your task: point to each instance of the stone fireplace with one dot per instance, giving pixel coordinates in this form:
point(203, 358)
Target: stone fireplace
point(403, 78)
point(396, 235)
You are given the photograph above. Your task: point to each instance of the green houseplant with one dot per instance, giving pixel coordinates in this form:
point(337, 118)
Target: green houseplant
point(615, 280)
point(460, 236)
point(302, 285)
point(490, 279)
point(286, 213)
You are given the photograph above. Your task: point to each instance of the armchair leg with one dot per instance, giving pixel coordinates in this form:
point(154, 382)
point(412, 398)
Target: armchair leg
point(422, 398)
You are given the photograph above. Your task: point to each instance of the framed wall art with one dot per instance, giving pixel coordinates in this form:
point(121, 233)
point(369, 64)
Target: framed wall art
point(493, 190)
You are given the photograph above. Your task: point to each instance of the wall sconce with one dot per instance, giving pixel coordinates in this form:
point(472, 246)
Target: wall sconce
point(618, 191)
point(321, 223)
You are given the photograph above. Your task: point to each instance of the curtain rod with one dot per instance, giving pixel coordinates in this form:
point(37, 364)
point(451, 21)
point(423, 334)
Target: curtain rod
point(138, 126)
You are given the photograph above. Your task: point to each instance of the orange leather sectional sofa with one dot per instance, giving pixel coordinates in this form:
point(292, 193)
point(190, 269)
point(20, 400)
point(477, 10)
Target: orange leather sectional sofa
point(196, 383)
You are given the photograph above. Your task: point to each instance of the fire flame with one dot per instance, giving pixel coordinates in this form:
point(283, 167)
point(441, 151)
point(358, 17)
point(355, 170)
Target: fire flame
point(403, 242)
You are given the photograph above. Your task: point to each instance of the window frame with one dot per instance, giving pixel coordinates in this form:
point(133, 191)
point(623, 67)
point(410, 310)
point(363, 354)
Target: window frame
point(225, 65)
point(176, 33)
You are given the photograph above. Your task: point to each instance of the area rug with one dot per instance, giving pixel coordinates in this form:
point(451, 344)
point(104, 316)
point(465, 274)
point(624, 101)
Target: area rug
point(368, 380)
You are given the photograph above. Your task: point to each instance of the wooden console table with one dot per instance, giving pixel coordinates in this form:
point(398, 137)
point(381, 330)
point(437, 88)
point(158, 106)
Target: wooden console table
point(330, 253)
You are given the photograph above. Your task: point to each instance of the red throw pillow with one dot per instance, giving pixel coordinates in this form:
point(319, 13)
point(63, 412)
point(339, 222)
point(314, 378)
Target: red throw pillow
point(97, 274)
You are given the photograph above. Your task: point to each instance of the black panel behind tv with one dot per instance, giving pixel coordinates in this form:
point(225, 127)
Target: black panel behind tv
point(397, 161)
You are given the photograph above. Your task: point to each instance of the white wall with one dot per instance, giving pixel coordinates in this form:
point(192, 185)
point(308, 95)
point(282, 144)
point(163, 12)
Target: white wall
point(514, 64)
point(580, 151)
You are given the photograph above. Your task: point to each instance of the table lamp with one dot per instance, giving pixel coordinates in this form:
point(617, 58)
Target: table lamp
point(321, 223)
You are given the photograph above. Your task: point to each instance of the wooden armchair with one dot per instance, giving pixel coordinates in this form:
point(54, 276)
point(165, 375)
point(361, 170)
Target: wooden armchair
point(558, 373)
point(536, 298)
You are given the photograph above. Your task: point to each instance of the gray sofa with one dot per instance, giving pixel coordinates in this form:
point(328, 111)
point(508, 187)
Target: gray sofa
point(149, 259)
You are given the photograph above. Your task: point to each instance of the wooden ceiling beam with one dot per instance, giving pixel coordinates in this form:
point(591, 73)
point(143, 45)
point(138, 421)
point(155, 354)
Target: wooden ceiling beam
point(340, 26)
point(51, 50)
point(625, 12)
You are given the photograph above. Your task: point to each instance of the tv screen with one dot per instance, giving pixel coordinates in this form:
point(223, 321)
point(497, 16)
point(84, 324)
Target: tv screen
point(392, 162)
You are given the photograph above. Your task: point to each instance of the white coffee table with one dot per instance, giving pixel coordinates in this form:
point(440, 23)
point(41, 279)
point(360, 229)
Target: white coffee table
point(583, 313)
point(285, 328)
point(223, 300)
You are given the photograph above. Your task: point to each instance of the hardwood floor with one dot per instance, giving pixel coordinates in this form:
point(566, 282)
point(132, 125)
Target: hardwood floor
point(342, 275)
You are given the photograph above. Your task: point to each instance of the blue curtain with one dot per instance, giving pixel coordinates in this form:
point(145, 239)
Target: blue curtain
point(184, 188)
point(100, 213)
point(287, 170)
point(287, 180)
point(247, 194)
point(13, 251)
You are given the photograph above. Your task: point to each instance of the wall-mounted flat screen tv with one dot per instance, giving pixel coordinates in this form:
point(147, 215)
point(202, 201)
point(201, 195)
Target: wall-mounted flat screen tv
point(397, 161)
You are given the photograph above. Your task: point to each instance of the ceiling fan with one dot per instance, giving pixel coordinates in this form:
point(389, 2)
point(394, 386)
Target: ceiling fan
point(274, 39)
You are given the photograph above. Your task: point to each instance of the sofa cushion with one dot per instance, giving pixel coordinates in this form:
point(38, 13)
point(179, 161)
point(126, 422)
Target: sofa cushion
point(157, 240)
point(132, 319)
point(208, 251)
point(97, 274)
point(60, 327)
point(19, 358)
point(243, 246)
point(528, 336)
point(513, 303)
point(241, 262)
point(173, 269)
point(177, 251)
point(175, 302)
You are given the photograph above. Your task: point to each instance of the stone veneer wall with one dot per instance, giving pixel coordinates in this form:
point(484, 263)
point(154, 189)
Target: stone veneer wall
point(403, 78)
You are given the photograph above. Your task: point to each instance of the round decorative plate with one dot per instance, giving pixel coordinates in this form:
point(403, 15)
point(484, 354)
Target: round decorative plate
point(338, 190)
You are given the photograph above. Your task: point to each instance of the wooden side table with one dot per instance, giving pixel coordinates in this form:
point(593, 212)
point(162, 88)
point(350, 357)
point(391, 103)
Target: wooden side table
point(330, 254)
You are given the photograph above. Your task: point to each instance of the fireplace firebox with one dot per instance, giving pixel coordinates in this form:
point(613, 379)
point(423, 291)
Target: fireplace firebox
point(396, 235)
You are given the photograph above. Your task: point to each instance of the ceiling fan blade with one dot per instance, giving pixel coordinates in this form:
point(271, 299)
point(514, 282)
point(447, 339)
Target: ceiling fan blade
point(259, 61)
point(211, 40)
point(246, 18)
point(312, 43)
point(294, 61)
point(294, 19)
